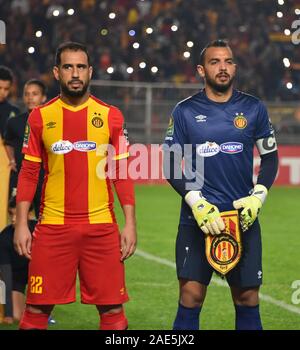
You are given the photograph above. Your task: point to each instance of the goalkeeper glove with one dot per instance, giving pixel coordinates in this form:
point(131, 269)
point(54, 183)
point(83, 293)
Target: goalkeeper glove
point(207, 215)
point(251, 205)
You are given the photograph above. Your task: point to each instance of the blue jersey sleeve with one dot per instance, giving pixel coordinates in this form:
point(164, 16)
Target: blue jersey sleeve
point(176, 133)
point(263, 123)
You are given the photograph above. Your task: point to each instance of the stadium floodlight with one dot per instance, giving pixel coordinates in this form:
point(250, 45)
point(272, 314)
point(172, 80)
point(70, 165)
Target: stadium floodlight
point(55, 13)
point(174, 28)
point(31, 50)
point(129, 70)
point(279, 14)
point(104, 31)
point(287, 32)
point(38, 33)
point(142, 65)
point(286, 62)
point(289, 85)
point(189, 44)
point(71, 12)
point(149, 30)
point(280, 2)
point(110, 70)
point(186, 54)
point(297, 11)
point(136, 45)
point(154, 69)
point(131, 32)
point(112, 15)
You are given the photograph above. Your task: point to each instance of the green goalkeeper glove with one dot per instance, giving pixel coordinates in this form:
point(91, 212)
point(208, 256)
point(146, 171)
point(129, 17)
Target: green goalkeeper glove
point(251, 205)
point(207, 215)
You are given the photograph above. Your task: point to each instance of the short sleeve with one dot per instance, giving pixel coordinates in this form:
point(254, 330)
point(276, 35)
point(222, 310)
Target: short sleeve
point(264, 126)
point(9, 138)
point(32, 143)
point(118, 133)
point(176, 131)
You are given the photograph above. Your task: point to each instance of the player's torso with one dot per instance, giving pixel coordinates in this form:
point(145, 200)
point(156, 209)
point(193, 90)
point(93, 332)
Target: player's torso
point(222, 137)
point(74, 142)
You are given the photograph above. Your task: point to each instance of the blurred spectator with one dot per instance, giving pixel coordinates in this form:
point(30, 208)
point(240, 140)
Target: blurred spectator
point(162, 28)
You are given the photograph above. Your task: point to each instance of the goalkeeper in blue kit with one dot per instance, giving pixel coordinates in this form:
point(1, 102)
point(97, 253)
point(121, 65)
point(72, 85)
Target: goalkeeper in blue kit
point(220, 208)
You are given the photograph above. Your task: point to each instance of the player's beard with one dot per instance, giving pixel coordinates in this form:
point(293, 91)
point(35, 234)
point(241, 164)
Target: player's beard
point(74, 93)
point(217, 86)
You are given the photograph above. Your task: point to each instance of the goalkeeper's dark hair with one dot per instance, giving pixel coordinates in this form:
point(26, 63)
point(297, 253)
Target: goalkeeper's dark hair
point(72, 46)
point(6, 74)
point(215, 43)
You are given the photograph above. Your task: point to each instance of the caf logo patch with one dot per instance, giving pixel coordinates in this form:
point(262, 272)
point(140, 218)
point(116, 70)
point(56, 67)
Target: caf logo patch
point(240, 122)
point(170, 130)
point(97, 121)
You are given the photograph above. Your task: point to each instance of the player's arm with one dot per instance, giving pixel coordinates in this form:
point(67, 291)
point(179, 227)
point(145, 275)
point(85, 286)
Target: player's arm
point(27, 182)
point(267, 148)
point(123, 184)
point(206, 214)
point(9, 145)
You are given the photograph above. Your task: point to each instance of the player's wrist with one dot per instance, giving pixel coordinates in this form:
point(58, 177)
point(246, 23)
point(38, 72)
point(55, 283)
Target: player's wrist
point(192, 197)
point(260, 192)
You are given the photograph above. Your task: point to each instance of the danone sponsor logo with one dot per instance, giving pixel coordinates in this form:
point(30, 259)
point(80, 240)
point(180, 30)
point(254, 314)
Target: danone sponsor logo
point(62, 147)
point(231, 147)
point(208, 149)
point(84, 146)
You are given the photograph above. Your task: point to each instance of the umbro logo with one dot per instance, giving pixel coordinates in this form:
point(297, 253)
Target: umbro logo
point(259, 274)
point(51, 125)
point(200, 118)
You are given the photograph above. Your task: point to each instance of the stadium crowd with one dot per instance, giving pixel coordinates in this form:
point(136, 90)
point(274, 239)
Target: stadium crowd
point(111, 28)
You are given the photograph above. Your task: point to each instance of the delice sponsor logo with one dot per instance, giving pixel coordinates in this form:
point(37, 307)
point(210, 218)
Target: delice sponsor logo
point(84, 146)
point(62, 147)
point(231, 147)
point(208, 149)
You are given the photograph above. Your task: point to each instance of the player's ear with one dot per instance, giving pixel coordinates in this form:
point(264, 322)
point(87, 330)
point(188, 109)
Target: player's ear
point(90, 71)
point(55, 72)
point(200, 70)
point(44, 99)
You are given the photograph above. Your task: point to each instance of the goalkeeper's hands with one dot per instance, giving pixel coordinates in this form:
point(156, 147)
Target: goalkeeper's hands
point(206, 214)
point(251, 205)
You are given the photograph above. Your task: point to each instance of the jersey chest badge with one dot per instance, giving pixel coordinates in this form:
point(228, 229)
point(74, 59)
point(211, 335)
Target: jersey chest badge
point(224, 251)
point(240, 121)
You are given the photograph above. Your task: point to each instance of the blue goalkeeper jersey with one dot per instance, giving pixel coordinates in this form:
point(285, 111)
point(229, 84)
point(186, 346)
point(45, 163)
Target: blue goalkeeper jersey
point(221, 138)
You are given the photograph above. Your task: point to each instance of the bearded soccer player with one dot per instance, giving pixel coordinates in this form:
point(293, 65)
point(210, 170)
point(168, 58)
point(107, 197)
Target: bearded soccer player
point(222, 125)
point(77, 229)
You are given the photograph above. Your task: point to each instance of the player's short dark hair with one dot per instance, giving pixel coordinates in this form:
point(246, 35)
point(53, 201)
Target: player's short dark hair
point(73, 46)
point(215, 43)
point(6, 74)
point(39, 83)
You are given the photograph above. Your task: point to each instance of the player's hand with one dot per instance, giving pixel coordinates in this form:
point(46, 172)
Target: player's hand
point(206, 214)
point(251, 205)
point(128, 241)
point(22, 241)
point(13, 165)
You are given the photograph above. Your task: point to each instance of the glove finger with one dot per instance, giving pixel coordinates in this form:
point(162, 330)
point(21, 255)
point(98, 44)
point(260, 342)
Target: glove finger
point(215, 227)
point(209, 228)
point(204, 229)
point(238, 204)
point(220, 223)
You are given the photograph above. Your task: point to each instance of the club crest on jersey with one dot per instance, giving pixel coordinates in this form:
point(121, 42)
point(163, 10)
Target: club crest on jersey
point(62, 147)
point(97, 121)
point(240, 121)
point(208, 149)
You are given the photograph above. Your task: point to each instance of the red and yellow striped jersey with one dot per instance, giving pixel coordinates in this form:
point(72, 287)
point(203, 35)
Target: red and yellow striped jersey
point(72, 143)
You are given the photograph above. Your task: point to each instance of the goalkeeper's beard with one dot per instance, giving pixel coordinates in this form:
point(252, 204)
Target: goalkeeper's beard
point(74, 93)
point(219, 87)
